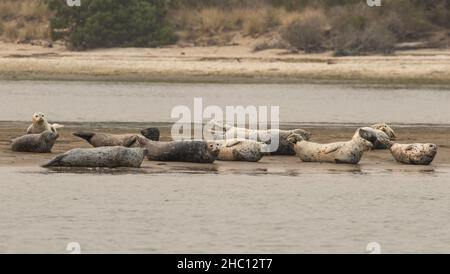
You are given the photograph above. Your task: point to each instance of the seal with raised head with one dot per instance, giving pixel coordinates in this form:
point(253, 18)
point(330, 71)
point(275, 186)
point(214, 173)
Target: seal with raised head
point(181, 151)
point(388, 131)
point(414, 154)
point(349, 152)
point(111, 157)
point(266, 136)
point(109, 140)
point(375, 136)
point(39, 143)
point(240, 150)
point(40, 124)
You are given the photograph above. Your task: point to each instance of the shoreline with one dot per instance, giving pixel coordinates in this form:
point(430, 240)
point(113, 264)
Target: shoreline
point(228, 64)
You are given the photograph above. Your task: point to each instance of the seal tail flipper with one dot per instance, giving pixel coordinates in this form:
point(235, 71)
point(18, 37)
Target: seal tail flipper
point(55, 161)
point(57, 126)
point(84, 135)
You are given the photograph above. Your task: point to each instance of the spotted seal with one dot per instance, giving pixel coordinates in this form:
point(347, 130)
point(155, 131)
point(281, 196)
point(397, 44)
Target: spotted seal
point(111, 157)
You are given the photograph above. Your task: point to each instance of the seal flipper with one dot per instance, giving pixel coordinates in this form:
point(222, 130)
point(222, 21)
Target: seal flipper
point(84, 135)
point(55, 161)
point(130, 142)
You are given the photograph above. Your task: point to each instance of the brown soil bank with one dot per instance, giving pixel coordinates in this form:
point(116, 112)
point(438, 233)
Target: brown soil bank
point(221, 64)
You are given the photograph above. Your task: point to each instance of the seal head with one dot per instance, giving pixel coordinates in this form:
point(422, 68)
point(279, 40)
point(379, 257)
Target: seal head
point(151, 133)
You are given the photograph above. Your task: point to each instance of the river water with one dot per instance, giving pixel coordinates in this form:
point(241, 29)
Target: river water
point(305, 208)
point(153, 102)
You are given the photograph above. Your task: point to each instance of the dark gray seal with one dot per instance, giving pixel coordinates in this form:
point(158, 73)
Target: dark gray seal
point(39, 143)
point(181, 151)
point(111, 157)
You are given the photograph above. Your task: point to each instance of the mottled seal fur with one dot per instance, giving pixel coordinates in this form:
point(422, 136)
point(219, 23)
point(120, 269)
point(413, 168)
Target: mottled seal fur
point(109, 140)
point(227, 132)
point(181, 151)
point(111, 157)
point(39, 143)
point(414, 154)
point(349, 152)
point(240, 150)
point(40, 124)
point(388, 131)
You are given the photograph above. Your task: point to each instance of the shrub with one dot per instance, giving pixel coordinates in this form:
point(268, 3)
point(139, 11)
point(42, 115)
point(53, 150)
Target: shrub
point(375, 38)
point(307, 33)
point(111, 23)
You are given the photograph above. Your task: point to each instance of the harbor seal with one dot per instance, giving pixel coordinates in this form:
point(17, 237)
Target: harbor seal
point(240, 150)
point(414, 154)
point(349, 152)
point(388, 131)
point(39, 143)
point(111, 157)
point(227, 132)
point(109, 140)
point(40, 124)
point(181, 151)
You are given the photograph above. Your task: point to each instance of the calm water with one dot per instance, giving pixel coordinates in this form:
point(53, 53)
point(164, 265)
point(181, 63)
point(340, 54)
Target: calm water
point(339, 212)
point(321, 210)
point(153, 102)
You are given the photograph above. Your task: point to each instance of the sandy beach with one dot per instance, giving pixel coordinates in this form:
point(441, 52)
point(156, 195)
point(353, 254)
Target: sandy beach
point(221, 64)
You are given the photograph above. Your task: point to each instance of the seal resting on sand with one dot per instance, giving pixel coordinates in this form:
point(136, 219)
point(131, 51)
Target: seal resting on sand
point(388, 131)
point(181, 151)
point(109, 140)
point(240, 150)
point(414, 154)
point(111, 157)
point(40, 124)
point(349, 152)
point(39, 143)
point(227, 132)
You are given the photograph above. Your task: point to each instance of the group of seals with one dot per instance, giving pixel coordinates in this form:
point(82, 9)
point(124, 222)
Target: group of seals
point(40, 138)
point(365, 138)
point(226, 132)
point(229, 144)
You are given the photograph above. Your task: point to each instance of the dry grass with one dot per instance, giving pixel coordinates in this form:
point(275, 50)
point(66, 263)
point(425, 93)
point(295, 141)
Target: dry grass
point(204, 24)
point(23, 20)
